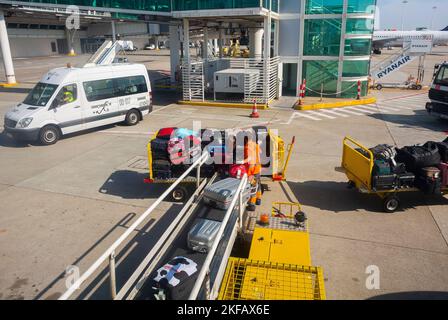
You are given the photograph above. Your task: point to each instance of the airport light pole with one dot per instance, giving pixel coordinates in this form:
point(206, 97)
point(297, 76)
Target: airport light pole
point(433, 16)
point(403, 13)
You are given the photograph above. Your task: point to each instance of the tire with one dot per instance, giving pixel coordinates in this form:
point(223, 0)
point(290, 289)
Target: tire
point(132, 117)
point(419, 87)
point(391, 204)
point(180, 194)
point(49, 135)
point(379, 87)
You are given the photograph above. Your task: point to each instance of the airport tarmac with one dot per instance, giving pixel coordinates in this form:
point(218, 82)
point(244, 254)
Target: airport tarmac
point(65, 204)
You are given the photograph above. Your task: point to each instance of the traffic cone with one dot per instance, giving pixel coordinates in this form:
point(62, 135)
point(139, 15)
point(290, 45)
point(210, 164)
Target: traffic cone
point(255, 113)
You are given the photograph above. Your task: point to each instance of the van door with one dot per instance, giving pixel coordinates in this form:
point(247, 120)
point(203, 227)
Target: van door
point(66, 109)
point(101, 103)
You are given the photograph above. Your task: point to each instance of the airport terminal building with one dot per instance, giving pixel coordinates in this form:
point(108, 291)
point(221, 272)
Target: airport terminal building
point(249, 49)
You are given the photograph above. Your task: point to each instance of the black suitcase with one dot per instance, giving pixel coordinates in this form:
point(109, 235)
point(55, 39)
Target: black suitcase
point(159, 149)
point(406, 180)
point(162, 169)
point(174, 280)
point(387, 182)
point(399, 168)
point(428, 185)
point(416, 157)
point(443, 150)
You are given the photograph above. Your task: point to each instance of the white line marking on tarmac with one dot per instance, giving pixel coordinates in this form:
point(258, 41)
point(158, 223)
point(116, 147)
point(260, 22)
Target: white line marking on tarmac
point(321, 114)
point(127, 132)
point(335, 113)
point(361, 109)
point(302, 114)
point(349, 111)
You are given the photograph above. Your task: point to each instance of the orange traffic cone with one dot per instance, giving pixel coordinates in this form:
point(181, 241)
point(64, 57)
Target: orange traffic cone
point(255, 113)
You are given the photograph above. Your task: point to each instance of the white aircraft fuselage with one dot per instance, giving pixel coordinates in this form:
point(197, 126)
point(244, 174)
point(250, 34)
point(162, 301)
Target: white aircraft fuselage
point(383, 39)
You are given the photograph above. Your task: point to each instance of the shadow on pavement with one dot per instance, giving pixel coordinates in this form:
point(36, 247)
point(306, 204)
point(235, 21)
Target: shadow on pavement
point(15, 90)
point(130, 256)
point(420, 118)
point(338, 198)
point(413, 295)
point(128, 184)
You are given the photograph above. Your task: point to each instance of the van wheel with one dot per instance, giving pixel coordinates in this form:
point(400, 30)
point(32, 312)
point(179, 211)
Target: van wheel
point(49, 135)
point(180, 194)
point(132, 118)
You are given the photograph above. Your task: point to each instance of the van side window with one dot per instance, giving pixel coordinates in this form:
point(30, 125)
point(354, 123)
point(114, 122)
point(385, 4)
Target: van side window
point(67, 94)
point(99, 89)
point(130, 85)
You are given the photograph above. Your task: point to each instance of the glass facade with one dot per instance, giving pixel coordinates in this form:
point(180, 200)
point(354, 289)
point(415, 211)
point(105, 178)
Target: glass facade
point(322, 37)
point(357, 47)
point(324, 6)
point(321, 75)
point(356, 68)
point(145, 5)
point(361, 6)
point(165, 5)
point(359, 26)
point(182, 5)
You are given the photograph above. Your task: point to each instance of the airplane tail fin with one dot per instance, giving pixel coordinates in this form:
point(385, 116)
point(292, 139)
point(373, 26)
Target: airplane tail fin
point(445, 29)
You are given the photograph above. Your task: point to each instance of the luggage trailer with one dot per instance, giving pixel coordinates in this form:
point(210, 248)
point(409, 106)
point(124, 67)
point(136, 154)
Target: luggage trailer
point(205, 283)
point(276, 169)
point(358, 168)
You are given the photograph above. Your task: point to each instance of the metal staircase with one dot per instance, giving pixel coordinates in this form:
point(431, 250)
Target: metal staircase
point(392, 63)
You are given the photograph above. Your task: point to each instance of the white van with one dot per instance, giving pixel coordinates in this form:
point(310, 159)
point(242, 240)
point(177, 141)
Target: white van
point(68, 100)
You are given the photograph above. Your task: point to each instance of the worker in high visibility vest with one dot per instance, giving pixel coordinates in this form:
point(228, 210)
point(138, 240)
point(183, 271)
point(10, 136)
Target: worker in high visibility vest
point(252, 155)
point(68, 96)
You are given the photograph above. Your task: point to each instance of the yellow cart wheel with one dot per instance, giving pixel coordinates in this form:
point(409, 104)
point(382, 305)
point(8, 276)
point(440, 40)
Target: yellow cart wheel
point(391, 203)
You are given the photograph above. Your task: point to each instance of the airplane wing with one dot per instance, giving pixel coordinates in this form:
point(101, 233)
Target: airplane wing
point(381, 43)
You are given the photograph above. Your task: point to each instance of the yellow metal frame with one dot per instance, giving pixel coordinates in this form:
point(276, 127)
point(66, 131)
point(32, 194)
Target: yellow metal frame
point(279, 162)
point(151, 175)
point(246, 279)
point(358, 167)
point(292, 208)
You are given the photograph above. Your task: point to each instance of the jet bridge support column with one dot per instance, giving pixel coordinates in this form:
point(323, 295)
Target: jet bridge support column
point(174, 51)
point(6, 52)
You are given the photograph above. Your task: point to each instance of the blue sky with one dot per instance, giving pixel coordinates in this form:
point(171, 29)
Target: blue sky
point(418, 13)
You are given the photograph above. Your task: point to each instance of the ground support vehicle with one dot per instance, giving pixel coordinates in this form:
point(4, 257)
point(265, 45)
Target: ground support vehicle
point(358, 163)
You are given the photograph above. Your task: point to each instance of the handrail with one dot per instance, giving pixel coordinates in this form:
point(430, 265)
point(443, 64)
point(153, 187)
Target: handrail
point(110, 252)
point(205, 271)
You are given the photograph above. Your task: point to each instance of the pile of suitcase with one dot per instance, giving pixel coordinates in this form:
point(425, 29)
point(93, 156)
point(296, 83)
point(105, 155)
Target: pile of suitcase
point(421, 166)
point(172, 151)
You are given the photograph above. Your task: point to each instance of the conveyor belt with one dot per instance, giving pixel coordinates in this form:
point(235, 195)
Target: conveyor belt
point(179, 248)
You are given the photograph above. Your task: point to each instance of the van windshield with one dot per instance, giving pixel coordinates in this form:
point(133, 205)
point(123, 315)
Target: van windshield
point(41, 94)
point(442, 76)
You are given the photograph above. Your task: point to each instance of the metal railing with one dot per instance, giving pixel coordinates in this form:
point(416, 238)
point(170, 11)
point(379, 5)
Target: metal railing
point(204, 274)
point(109, 254)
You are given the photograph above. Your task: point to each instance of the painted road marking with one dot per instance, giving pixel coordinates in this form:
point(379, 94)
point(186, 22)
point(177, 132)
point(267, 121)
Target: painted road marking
point(321, 114)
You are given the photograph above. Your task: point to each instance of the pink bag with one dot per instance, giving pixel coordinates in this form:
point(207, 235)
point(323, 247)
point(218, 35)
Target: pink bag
point(443, 167)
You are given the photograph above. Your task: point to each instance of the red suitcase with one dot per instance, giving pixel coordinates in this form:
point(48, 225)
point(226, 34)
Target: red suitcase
point(443, 167)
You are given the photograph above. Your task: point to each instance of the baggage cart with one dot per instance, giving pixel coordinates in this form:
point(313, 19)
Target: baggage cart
point(276, 169)
point(357, 163)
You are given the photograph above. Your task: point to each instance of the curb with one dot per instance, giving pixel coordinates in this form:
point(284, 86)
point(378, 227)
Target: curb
point(331, 105)
point(223, 105)
point(8, 85)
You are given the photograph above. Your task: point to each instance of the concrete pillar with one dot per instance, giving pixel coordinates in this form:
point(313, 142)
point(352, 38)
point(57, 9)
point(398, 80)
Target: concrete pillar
point(256, 42)
point(157, 43)
point(215, 47)
point(70, 34)
point(221, 42)
point(267, 37)
point(186, 41)
point(205, 44)
point(174, 51)
point(114, 34)
point(6, 51)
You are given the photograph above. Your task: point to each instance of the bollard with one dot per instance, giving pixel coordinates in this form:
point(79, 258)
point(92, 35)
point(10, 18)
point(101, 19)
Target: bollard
point(359, 90)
